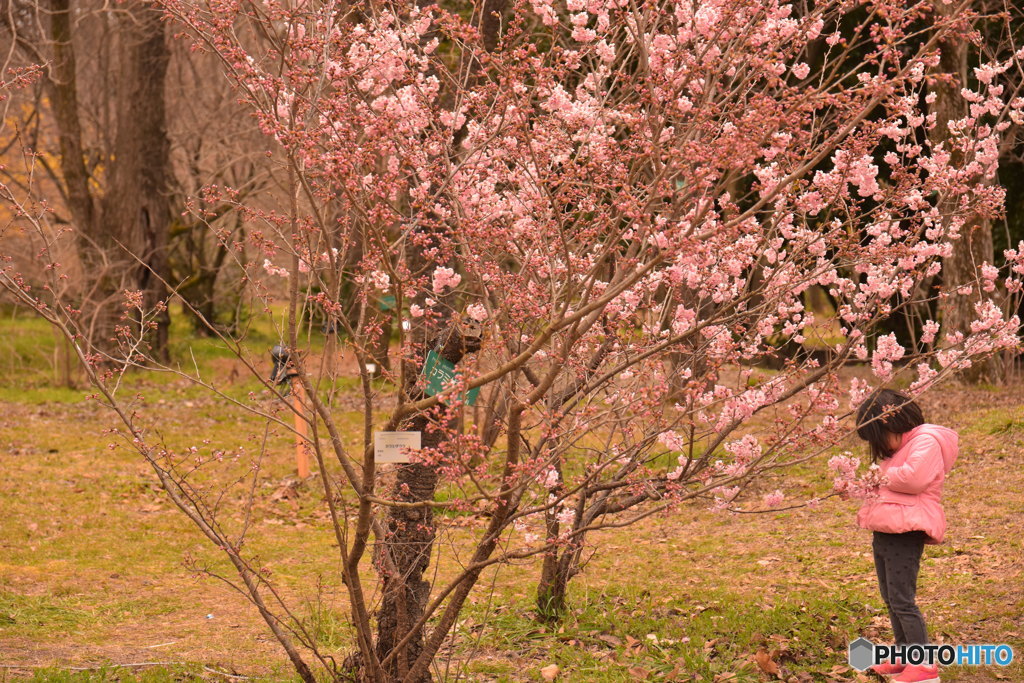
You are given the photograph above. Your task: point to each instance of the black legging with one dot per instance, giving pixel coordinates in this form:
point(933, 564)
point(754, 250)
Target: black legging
point(897, 561)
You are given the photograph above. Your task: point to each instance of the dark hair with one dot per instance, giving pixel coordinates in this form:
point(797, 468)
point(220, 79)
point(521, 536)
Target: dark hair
point(886, 411)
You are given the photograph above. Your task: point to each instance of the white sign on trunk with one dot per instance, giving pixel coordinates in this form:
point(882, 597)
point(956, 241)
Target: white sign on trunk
point(394, 446)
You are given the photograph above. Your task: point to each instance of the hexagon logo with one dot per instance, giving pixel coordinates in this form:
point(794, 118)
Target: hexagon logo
point(862, 654)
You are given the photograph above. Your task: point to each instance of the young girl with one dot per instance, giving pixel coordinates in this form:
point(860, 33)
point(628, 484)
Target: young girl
point(914, 457)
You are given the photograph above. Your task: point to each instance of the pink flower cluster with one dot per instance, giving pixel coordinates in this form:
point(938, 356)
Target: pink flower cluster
point(859, 390)
point(477, 312)
point(274, 270)
point(846, 481)
point(858, 170)
point(674, 441)
point(887, 350)
point(445, 277)
point(380, 280)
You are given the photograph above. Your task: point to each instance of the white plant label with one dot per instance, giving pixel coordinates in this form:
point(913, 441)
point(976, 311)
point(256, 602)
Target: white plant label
point(394, 446)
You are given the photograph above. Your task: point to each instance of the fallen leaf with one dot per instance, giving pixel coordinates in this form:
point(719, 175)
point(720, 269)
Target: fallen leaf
point(677, 670)
point(765, 663)
point(633, 645)
point(550, 672)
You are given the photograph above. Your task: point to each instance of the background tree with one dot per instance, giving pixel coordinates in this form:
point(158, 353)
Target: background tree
point(126, 130)
point(121, 231)
point(962, 267)
point(214, 142)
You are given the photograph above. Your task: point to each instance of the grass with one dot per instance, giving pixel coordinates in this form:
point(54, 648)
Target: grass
point(704, 634)
point(115, 674)
point(96, 568)
point(33, 614)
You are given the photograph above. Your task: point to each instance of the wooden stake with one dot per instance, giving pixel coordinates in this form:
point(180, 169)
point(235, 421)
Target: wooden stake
point(301, 429)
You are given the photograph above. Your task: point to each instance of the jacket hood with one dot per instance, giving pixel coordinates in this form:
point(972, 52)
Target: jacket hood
point(949, 442)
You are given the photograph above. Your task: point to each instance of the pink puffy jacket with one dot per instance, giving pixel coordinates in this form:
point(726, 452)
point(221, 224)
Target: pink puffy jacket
point(912, 499)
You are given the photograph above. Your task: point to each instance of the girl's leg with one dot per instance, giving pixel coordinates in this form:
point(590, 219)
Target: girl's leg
point(880, 545)
point(902, 557)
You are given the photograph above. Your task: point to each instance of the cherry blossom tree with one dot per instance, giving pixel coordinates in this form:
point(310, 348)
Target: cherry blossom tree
point(605, 219)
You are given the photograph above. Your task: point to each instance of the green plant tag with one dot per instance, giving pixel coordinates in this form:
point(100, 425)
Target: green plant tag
point(440, 373)
point(387, 303)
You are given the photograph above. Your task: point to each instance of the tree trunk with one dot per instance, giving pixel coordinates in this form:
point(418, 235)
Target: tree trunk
point(410, 531)
point(136, 204)
point(553, 585)
point(554, 572)
point(130, 220)
point(975, 246)
point(410, 534)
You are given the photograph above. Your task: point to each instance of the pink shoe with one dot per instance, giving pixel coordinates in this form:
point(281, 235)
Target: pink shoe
point(887, 669)
point(916, 673)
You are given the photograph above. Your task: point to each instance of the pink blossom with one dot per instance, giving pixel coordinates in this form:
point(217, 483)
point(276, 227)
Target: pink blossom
point(986, 72)
point(380, 279)
point(477, 312)
point(605, 51)
point(683, 320)
point(928, 331)
point(925, 376)
point(545, 10)
point(773, 499)
point(848, 483)
point(801, 70)
point(674, 441)
point(989, 316)
point(887, 349)
point(723, 497)
point(445, 277)
point(528, 536)
point(416, 311)
point(989, 273)
point(274, 270)
point(551, 479)
point(811, 202)
point(746, 450)
point(843, 465)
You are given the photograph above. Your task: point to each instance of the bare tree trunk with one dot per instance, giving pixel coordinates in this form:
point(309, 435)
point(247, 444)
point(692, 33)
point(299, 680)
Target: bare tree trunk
point(136, 204)
point(410, 531)
point(974, 247)
point(410, 535)
point(130, 220)
point(553, 586)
